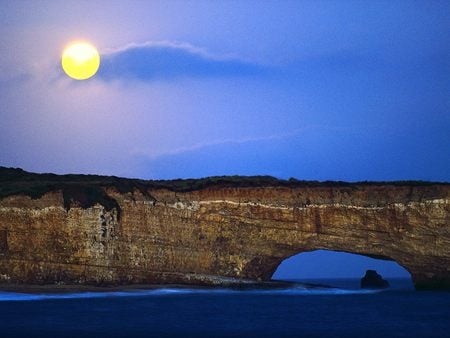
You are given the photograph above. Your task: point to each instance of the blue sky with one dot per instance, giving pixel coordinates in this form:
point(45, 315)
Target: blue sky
point(321, 90)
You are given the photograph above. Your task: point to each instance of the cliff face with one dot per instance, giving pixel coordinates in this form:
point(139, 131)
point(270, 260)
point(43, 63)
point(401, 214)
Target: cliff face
point(157, 235)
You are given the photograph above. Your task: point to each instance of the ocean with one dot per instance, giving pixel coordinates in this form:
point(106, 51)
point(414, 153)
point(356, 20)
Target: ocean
point(342, 311)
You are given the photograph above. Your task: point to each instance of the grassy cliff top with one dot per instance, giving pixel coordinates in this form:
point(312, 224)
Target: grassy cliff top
point(89, 189)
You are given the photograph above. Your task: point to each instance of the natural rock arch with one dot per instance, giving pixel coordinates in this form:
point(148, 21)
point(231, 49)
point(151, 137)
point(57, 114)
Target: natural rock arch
point(403, 224)
point(419, 257)
point(214, 231)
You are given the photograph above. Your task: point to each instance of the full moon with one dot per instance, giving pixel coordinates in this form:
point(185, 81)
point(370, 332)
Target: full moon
point(80, 60)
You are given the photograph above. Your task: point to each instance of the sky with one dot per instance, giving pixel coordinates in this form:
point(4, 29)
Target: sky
point(317, 90)
point(322, 264)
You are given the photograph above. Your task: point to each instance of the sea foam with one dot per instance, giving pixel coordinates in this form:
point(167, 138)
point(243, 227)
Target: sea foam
point(15, 296)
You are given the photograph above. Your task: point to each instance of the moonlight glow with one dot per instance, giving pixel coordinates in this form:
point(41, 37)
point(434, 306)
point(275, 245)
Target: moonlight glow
point(80, 60)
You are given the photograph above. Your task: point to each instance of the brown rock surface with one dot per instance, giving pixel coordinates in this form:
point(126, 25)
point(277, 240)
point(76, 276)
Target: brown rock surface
point(209, 235)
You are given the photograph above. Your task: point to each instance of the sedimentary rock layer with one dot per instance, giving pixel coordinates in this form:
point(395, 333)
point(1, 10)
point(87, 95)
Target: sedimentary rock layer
point(217, 233)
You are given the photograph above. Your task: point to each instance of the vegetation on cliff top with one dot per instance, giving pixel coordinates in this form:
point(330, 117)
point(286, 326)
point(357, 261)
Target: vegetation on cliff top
point(87, 190)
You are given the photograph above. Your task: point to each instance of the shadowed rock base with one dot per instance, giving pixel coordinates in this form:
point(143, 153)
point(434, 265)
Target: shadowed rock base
point(434, 283)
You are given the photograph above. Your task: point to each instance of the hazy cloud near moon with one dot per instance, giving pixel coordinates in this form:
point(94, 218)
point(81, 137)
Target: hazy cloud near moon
point(168, 60)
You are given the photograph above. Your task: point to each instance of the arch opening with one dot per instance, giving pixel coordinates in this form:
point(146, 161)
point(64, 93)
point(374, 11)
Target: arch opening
point(339, 269)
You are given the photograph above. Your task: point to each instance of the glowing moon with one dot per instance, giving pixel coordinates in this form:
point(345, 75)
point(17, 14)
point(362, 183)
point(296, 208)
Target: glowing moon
point(80, 60)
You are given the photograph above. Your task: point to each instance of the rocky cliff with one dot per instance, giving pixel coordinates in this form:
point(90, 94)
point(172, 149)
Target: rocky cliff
point(98, 230)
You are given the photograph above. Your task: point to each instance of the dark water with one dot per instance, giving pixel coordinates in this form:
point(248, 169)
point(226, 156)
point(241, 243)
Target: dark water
point(339, 312)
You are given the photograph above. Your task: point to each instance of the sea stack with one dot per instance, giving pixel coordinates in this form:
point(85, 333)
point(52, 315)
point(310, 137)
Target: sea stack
point(372, 280)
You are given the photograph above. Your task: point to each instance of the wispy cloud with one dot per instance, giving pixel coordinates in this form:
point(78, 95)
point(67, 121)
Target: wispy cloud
point(233, 141)
point(167, 60)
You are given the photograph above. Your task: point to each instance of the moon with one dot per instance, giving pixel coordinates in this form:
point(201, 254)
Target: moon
point(80, 60)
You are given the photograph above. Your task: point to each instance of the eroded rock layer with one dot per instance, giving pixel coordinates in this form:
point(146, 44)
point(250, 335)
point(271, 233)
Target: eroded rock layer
point(217, 233)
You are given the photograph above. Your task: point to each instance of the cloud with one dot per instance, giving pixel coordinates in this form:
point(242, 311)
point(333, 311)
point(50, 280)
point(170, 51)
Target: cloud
point(219, 142)
point(238, 141)
point(168, 60)
point(296, 153)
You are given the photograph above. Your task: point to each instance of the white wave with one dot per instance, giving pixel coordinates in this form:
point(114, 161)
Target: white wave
point(301, 291)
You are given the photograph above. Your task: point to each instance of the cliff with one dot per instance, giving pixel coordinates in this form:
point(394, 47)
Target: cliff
point(97, 230)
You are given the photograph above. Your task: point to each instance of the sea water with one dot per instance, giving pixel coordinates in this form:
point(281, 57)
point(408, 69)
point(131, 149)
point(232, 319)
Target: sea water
point(341, 311)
